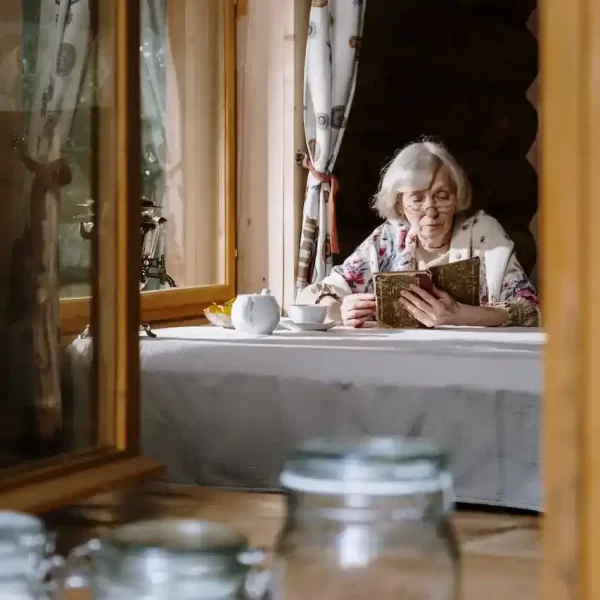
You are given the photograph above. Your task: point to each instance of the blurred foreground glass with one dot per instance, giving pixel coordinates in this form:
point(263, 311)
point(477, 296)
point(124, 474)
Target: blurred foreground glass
point(168, 559)
point(367, 519)
point(27, 561)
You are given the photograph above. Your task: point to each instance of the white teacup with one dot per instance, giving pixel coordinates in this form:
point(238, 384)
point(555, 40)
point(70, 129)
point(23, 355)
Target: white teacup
point(307, 313)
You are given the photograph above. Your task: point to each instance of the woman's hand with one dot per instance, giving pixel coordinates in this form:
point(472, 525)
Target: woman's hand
point(357, 308)
point(430, 310)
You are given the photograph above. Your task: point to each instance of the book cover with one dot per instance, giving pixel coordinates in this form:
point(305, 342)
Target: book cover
point(459, 279)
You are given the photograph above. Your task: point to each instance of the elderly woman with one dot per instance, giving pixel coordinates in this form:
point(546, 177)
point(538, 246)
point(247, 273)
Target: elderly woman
point(424, 196)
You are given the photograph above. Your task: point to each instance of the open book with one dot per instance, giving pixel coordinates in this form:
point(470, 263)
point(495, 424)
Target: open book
point(459, 279)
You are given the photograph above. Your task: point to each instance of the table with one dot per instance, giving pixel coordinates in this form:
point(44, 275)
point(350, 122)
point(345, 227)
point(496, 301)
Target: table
point(222, 408)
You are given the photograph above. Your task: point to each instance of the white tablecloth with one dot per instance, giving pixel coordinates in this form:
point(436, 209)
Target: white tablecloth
point(222, 408)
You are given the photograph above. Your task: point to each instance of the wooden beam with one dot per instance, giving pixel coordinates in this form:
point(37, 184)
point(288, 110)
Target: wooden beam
point(571, 276)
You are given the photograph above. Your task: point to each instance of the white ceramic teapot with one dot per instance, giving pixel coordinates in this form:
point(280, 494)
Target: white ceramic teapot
point(258, 314)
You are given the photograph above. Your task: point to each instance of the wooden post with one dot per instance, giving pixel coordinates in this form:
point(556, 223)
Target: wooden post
point(570, 224)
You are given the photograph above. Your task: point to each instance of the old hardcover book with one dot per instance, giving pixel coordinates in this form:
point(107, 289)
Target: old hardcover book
point(459, 279)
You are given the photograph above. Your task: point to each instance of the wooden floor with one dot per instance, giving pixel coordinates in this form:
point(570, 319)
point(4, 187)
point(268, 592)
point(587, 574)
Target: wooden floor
point(501, 553)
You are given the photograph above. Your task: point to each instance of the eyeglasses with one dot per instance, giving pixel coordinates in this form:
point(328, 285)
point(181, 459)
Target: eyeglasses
point(442, 201)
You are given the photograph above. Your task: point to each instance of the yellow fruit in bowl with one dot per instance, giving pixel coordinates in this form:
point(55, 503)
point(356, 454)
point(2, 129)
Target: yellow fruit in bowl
point(220, 314)
point(221, 309)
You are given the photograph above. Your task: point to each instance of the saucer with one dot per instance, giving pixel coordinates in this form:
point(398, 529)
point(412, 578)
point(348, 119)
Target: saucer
point(289, 324)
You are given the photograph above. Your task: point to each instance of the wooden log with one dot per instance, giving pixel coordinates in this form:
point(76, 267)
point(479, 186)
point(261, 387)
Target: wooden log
point(474, 117)
point(510, 11)
point(504, 187)
point(525, 247)
point(449, 45)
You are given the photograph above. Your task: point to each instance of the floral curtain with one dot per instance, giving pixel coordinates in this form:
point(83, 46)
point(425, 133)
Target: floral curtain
point(63, 42)
point(333, 44)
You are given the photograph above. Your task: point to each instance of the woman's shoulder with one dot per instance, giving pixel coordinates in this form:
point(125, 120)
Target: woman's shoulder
point(483, 221)
point(486, 230)
point(393, 226)
point(387, 230)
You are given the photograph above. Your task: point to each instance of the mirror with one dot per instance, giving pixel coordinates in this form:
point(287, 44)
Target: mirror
point(68, 147)
point(49, 113)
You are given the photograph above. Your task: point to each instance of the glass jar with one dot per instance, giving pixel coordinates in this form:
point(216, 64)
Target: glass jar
point(27, 563)
point(367, 518)
point(166, 560)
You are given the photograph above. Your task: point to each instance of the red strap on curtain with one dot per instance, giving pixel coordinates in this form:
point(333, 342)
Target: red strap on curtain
point(332, 180)
point(51, 174)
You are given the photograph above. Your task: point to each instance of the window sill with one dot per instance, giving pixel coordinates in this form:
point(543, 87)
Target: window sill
point(164, 307)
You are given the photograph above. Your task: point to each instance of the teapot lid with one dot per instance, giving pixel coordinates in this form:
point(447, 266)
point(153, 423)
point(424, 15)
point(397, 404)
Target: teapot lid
point(265, 292)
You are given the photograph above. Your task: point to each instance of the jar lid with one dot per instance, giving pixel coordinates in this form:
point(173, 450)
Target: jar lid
point(22, 543)
point(12, 522)
point(367, 465)
point(158, 551)
point(178, 535)
point(21, 529)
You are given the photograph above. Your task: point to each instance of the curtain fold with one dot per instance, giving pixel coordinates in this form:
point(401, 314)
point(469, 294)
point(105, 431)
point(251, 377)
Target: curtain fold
point(63, 41)
point(331, 65)
point(154, 55)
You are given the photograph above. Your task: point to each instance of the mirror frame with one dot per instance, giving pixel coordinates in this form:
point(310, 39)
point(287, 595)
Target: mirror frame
point(168, 307)
point(44, 485)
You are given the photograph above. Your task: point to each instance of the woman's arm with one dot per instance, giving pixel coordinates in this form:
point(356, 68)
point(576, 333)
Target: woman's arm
point(518, 299)
point(481, 316)
point(354, 276)
point(518, 305)
point(334, 307)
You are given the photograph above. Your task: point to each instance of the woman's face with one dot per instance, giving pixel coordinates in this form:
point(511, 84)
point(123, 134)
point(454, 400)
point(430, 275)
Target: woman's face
point(430, 212)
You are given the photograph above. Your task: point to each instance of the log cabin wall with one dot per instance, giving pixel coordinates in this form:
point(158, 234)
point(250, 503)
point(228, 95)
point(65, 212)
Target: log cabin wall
point(456, 70)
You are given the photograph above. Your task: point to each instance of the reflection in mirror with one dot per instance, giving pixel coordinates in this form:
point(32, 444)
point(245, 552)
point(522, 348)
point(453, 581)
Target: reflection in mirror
point(183, 136)
point(183, 169)
point(50, 74)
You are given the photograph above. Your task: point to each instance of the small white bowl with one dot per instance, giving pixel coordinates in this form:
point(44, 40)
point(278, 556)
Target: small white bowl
point(218, 319)
point(307, 313)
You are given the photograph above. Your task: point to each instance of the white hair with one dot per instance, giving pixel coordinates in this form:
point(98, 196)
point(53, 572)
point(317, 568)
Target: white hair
point(414, 169)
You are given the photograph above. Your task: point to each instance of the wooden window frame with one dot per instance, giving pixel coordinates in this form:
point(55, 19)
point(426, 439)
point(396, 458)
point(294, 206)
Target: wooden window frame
point(38, 487)
point(183, 304)
point(570, 210)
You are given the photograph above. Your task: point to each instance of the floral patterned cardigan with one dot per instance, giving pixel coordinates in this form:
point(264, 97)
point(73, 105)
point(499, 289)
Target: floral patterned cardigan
point(392, 246)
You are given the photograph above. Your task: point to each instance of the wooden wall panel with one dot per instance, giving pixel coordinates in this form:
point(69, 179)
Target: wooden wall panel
point(271, 39)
